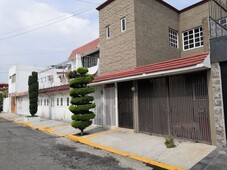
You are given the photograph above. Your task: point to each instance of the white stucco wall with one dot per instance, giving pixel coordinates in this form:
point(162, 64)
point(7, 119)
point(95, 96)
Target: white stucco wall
point(22, 73)
point(6, 104)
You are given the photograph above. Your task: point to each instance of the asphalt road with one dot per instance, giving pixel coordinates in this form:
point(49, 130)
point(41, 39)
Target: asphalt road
point(22, 148)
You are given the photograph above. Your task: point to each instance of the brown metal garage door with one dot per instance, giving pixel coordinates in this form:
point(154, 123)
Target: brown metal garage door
point(153, 109)
point(176, 106)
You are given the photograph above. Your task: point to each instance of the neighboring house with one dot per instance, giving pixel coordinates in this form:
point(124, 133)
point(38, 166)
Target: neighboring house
point(18, 86)
point(162, 70)
point(53, 83)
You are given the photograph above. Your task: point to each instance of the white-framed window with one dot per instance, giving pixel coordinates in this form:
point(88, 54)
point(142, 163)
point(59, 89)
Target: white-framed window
point(13, 78)
point(123, 24)
point(107, 31)
point(47, 102)
point(44, 102)
point(173, 38)
point(223, 22)
point(57, 101)
point(67, 101)
point(193, 38)
point(61, 101)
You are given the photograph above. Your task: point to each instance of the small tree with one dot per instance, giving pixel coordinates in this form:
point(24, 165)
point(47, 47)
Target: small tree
point(81, 101)
point(33, 90)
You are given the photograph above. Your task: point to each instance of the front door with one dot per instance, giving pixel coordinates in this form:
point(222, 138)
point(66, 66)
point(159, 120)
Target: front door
point(125, 104)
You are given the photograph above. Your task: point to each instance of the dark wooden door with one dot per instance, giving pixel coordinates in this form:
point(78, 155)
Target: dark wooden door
point(125, 104)
point(224, 89)
point(153, 106)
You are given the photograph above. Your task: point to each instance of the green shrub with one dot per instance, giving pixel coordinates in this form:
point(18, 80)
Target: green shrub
point(77, 82)
point(81, 117)
point(33, 89)
point(81, 101)
point(82, 70)
point(74, 92)
point(81, 108)
point(170, 142)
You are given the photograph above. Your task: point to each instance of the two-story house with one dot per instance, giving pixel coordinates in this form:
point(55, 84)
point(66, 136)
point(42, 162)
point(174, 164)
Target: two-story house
point(160, 70)
point(53, 84)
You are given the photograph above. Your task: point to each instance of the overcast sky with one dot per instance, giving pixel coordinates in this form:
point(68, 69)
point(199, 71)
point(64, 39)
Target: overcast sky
point(44, 32)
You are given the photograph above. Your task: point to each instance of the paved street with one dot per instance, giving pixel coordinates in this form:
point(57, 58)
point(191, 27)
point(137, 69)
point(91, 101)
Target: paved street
point(22, 148)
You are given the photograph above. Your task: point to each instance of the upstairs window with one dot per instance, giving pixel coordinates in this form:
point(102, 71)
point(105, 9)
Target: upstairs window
point(123, 24)
point(13, 78)
point(108, 32)
point(90, 61)
point(173, 38)
point(57, 101)
point(61, 101)
point(193, 38)
point(67, 101)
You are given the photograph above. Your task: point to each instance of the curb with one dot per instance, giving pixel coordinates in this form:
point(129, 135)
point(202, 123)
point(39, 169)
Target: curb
point(105, 148)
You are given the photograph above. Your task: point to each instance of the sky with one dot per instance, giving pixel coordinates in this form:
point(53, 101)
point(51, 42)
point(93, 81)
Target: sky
point(44, 32)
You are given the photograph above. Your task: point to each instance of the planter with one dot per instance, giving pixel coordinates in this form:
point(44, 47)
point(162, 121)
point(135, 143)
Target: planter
point(32, 119)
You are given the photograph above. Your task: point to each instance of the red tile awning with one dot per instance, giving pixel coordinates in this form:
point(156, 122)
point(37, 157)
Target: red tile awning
point(152, 68)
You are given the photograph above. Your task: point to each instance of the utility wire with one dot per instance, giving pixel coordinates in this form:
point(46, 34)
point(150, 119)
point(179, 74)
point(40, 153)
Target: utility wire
point(56, 18)
point(35, 53)
point(44, 26)
point(88, 2)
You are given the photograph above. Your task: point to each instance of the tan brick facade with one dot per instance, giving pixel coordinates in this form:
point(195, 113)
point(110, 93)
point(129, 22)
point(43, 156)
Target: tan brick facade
point(153, 21)
point(146, 39)
point(119, 51)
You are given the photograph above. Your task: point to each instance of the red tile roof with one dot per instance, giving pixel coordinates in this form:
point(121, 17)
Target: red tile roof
point(2, 86)
point(151, 68)
point(85, 48)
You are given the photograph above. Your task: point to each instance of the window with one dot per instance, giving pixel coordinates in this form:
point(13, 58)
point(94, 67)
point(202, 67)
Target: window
point(57, 101)
point(89, 61)
point(47, 102)
point(41, 102)
point(107, 32)
point(44, 102)
point(61, 101)
point(67, 101)
point(173, 38)
point(123, 24)
point(223, 22)
point(193, 38)
point(13, 78)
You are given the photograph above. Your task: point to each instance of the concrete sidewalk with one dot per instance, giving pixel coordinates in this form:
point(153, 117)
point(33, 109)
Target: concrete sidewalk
point(145, 148)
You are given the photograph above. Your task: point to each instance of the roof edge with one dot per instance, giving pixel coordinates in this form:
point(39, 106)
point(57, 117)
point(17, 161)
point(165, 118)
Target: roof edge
point(194, 5)
point(103, 5)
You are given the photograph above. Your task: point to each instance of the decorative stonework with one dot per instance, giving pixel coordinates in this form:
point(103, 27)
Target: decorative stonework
point(218, 104)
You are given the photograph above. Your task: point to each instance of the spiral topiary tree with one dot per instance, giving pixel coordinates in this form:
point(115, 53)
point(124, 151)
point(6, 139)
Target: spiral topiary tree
point(81, 102)
point(33, 90)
